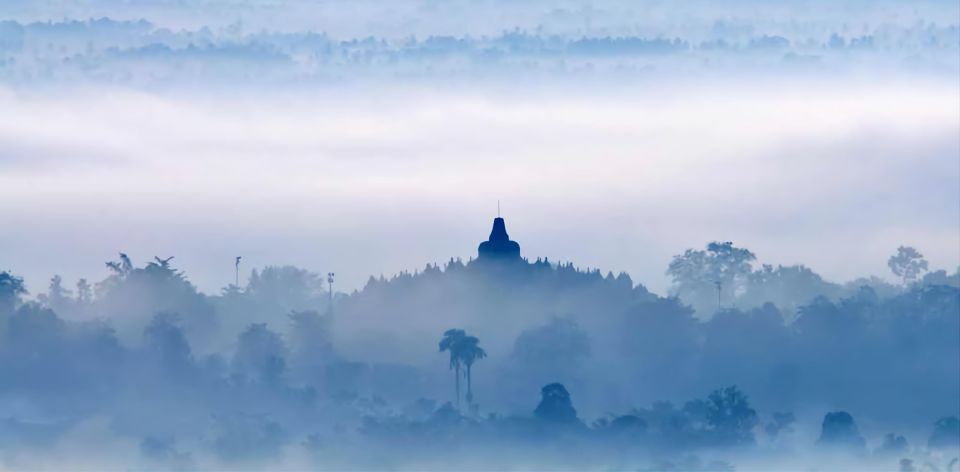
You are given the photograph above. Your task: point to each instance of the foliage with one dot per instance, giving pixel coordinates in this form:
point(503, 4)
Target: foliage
point(722, 268)
point(907, 264)
point(839, 430)
point(946, 433)
point(730, 416)
point(221, 373)
point(11, 287)
point(555, 406)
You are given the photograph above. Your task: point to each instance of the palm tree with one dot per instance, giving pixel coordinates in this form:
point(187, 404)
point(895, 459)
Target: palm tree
point(451, 342)
point(470, 352)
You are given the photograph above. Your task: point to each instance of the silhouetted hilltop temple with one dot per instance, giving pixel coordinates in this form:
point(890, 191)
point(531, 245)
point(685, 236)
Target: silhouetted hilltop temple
point(498, 283)
point(499, 246)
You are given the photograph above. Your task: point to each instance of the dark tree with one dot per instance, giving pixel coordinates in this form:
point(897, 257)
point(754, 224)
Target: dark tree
point(57, 296)
point(11, 287)
point(286, 288)
point(628, 426)
point(715, 274)
point(839, 430)
point(555, 405)
point(84, 292)
point(730, 416)
point(121, 268)
point(310, 339)
point(451, 343)
point(260, 354)
point(165, 342)
point(907, 264)
point(893, 445)
point(946, 433)
point(470, 352)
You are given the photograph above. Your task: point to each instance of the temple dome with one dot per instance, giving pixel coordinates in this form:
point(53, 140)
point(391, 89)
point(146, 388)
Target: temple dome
point(499, 246)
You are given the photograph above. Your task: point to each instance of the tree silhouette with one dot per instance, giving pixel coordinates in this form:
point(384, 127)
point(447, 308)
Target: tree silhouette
point(729, 413)
point(261, 354)
point(907, 264)
point(470, 352)
point(11, 287)
point(122, 267)
point(840, 430)
point(84, 292)
point(555, 405)
point(57, 297)
point(722, 267)
point(165, 341)
point(946, 433)
point(164, 263)
point(893, 445)
point(451, 342)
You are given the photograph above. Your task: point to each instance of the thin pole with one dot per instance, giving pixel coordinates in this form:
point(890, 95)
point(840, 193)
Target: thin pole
point(719, 288)
point(236, 276)
point(330, 285)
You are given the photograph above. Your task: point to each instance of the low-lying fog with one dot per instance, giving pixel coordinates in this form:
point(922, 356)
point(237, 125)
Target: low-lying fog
point(370, 182)
point(737, 226)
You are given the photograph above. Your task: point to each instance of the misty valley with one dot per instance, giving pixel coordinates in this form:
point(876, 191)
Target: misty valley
point(497, 362)
point(472, 236)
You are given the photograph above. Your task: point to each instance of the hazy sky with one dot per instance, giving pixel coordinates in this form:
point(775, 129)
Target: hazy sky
point(834, 174)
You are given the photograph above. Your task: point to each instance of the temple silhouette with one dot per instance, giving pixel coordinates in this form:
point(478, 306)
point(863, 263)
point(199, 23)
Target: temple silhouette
point(498, 247)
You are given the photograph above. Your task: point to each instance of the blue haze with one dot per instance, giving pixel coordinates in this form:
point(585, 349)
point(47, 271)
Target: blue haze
point(730, 237)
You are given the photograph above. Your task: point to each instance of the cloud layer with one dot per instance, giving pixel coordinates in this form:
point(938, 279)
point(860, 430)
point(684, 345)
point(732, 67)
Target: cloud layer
point(836, 174)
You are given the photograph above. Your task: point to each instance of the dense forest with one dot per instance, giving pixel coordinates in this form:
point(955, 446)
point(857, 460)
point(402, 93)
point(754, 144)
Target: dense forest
point(486, 363)
point(140, 53)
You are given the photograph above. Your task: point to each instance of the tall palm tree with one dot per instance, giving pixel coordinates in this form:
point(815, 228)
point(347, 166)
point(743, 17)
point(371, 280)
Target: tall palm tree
point(470, 352)
point(451, 342)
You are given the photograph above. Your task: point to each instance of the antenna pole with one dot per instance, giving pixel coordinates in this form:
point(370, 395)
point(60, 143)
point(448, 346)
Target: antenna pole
point(719, 289)
point(330, 284)
point(236, 275)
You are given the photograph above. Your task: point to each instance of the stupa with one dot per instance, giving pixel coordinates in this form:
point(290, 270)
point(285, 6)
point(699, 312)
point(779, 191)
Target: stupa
point(499, 246)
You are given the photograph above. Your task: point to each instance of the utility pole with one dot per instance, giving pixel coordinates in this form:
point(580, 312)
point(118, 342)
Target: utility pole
point(719, 289)
point(330, 284)
point(236, 275)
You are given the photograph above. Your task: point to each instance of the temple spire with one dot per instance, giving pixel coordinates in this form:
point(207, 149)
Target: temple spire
point(499, 245)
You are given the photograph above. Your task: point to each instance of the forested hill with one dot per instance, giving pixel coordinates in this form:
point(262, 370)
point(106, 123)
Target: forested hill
point(144, 340)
